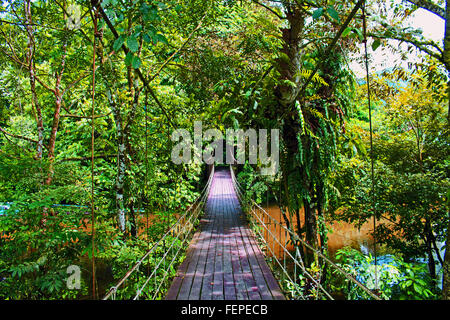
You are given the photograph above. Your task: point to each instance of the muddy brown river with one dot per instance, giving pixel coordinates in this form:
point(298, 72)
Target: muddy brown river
point(343, 234)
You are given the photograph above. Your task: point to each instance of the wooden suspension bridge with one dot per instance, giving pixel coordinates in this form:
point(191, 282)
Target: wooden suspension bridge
point(223, 261)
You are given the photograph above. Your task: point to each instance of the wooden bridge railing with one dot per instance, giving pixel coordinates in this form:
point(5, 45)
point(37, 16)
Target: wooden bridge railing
point(165, 253)
point(262, 221)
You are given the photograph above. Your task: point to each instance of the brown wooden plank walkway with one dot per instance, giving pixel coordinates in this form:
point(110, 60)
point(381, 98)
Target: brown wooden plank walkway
point(223, 261)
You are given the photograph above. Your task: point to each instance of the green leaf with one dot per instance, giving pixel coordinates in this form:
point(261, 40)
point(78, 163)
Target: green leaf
point(137, 30)
point(118, 43)
point(133, 44)
point(317, 13)
point(147, 38)
point(161, 38)
point(346, 32)
point(376, 43)
point(136, 62)
point(162, 5)
point(149, 13)
point(128, 58)
point(358, 33)
point(333, 13)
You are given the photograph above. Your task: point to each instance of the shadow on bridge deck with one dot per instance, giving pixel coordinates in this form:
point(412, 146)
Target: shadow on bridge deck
point(223, 261)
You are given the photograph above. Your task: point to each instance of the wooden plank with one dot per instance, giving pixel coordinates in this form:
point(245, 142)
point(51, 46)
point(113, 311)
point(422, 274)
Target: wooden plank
point(200, 268)
point(260, 281)
point(223, 260)
point(206, 293)
point(229, 283)
point(267, 284)
point(259, 284)
point(207, 284)
point(246, 275)
point(217, 293)
point(268, 275)
point(172, 293)
point(252, 289)
point(188, 278)
point(241, 290)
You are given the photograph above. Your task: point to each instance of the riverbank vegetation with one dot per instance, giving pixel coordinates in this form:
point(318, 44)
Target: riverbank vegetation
point(91, 92)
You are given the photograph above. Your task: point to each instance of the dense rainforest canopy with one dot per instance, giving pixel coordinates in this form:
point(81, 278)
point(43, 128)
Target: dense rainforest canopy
point(91, 92)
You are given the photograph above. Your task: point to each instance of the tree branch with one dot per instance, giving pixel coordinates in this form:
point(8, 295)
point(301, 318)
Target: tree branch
point(178, 50)
point(332, 44)
point(101, 156)
point(84, 117)
point(418, 44)
point(429, 6)
point(96, 4)
point(6, 133)
point(270, 9)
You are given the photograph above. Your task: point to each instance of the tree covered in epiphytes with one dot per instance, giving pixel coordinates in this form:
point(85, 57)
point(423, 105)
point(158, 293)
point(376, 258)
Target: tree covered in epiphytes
point(312, 90)
point(92, 90)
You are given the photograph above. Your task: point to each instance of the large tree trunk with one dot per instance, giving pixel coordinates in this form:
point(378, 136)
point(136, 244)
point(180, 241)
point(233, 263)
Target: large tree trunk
point(287, 89)
point(428, 236)
point(311, 231)
point(289, 64)
point(52, 140)
point(286, 92)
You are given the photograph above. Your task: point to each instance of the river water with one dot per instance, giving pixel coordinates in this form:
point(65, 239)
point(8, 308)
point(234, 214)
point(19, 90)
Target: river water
point(341, 234)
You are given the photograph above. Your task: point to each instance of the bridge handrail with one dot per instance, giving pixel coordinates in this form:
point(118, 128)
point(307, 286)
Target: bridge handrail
point(295, 237)
point(199, 201)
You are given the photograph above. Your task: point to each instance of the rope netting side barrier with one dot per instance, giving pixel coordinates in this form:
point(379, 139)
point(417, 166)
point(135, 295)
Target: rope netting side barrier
point(275, 238)
point(163, 256)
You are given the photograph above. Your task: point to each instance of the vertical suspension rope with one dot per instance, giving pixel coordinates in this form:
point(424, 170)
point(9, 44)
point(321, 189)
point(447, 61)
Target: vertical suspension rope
point(371, 140)
point(146, 176)
point(95, 22)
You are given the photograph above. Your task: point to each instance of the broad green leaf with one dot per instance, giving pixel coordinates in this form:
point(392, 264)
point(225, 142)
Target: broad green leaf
point(136, 62)
point(161, 38)
point(133, 44)
point(358, 33)
point(147, 38)
point(346, 32)
point(137, 30)
point(376, 43)
point(118, 43)
point(333, 13)
point(162, 5)
point(317, 13)
point(129, 58)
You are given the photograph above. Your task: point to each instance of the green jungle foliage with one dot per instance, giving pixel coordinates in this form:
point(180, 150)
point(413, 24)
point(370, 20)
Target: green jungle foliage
point(79, 84)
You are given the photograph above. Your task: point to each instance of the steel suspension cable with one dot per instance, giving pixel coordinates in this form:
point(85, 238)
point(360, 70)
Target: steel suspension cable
point(189, 225)
point(96, 35)
point(146, 175)
point(297, 238)
point(331, 46)
point(372, 171)
point(194, 207)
